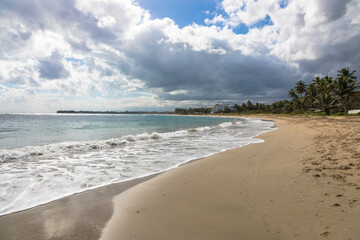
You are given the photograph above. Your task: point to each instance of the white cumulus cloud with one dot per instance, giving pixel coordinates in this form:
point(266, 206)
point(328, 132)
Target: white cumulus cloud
point(113, 55)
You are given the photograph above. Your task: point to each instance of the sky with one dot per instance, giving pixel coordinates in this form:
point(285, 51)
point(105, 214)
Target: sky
point(160, 54)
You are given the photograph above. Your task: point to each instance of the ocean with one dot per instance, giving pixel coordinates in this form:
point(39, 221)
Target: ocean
point(44, 157)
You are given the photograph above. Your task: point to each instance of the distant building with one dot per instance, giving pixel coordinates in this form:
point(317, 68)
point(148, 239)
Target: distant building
point(355, 111)
point(220, 107)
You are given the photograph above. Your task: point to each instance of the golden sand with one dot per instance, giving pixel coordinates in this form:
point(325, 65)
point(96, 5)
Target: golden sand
point(302, 183)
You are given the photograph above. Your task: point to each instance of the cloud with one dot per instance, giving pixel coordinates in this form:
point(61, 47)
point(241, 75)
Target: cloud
point(53, 67)
point(319, 36)
point(205, 74)
point(114, 55)
point(248, 12)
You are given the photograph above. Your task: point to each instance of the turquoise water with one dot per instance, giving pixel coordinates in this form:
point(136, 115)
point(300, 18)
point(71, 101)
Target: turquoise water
point(47, 157)
point(20, 130)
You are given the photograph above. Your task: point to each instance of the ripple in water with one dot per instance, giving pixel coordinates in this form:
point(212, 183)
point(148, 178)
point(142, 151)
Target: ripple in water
point(34, 175)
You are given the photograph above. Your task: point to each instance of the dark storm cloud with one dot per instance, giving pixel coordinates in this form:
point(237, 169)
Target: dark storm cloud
point(211, 77)
point(53, 67)
point(207, 76)
point(344, 54)
point(79, 45)
point(333, 9)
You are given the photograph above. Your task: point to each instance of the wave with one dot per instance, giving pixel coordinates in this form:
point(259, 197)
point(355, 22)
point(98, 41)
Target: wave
point(35, 175)
point(56, 149)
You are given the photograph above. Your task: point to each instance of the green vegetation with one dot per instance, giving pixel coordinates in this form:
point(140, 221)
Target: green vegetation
point(323, 96)
point(193, 111)
point(326, 94)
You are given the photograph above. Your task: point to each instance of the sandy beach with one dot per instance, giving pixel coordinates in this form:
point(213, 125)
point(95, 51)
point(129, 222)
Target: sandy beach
point(303, 182)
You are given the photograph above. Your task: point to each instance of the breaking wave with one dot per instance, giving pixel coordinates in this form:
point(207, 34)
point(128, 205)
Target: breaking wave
point(33, 175)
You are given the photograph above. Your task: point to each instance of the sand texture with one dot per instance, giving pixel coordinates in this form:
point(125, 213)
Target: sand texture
point(81, 216)
point(303, 182)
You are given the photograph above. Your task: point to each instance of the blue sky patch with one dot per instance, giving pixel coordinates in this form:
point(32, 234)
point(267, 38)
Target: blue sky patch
point(187, 12)
point(264, 22)
point(70, 59)
point(183, 12)
point(241, 29)
point(10, 85)
point(284, 3)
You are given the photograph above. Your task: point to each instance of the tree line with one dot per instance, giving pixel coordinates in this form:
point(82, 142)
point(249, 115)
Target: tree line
point(327, 94)
point(323, 94)
point(193, 111)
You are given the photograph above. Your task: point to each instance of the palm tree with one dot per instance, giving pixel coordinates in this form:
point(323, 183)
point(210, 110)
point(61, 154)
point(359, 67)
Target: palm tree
point(250, 105)
point(324, 84)
point(326, 102)
point(297, 101)
point(292, 94)
point(328, 83)
point(316, 80)
point(345, 89)
point(238, 108)
point(300, 88)
point(310, 95)
point(346, 84)
point(244, 107)
point(345, 72)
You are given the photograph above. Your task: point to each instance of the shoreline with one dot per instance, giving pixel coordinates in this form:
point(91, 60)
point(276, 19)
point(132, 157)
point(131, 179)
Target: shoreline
point(287, 187)
point(81, 215)
point(84, 215)
point(189, 158)
point(63, 209)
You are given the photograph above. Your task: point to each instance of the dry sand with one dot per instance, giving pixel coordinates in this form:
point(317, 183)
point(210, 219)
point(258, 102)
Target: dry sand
point(303, 182)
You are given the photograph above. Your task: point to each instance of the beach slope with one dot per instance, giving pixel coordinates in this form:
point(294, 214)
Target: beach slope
point(301, 183)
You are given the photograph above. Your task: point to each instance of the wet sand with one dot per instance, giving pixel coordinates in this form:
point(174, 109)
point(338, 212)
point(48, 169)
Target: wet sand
point(303, 182)
point(80, 216)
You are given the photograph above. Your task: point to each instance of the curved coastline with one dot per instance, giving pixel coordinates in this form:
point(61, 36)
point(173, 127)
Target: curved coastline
point(271, 190)
point(271, 193)
point(145, 142)
point(68, 210)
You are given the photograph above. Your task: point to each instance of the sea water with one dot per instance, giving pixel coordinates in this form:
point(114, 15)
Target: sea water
point(44, 157)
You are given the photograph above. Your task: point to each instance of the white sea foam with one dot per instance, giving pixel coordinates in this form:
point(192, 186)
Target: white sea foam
point(34, 175)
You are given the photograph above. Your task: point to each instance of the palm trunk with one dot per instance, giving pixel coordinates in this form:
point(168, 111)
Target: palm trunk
point(344, 103)
point(327, 111)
